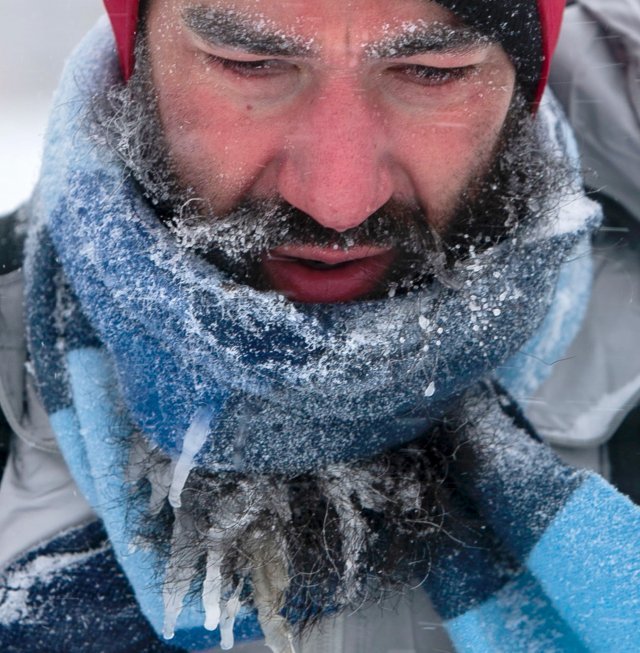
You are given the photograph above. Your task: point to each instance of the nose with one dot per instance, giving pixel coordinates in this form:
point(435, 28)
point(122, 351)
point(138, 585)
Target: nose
point(336, 166)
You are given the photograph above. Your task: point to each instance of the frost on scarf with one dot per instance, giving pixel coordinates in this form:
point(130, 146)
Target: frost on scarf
point(20, 582)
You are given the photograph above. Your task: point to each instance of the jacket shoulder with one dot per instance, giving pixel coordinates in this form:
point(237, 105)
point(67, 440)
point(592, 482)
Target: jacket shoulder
point(12, 236)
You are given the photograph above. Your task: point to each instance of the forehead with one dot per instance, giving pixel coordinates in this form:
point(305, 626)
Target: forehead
point(350, 22)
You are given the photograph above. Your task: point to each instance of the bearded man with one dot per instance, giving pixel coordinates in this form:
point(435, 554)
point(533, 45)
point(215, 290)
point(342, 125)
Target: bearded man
point(285, 266)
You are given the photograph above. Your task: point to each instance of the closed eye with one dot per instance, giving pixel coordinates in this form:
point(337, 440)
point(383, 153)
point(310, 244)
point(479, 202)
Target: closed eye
point(259, 68)
point(432, 75)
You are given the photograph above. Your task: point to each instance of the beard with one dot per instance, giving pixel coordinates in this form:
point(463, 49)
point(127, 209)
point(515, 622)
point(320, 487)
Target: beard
point(339, 539)
point(345, 535)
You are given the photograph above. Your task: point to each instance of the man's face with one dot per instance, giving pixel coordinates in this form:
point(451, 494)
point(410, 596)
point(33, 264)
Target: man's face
point(338, 108)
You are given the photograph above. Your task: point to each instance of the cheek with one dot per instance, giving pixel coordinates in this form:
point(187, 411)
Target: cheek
point(445, 151)
point(219, 149)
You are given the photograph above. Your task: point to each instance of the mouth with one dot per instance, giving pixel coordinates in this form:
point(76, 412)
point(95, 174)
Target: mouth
point(313, 274)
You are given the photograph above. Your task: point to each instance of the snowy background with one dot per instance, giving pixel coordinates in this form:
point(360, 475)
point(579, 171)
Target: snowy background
point(35, 38)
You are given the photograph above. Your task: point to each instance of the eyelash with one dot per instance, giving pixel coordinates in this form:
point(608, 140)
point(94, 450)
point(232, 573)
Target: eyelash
point(259, 68)
point(432, 76)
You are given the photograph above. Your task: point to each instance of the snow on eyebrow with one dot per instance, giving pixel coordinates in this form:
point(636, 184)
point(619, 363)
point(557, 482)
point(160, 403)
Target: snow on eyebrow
point(252, 33)
point(421, 37)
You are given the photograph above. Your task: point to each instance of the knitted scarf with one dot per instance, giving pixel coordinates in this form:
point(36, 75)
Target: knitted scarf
point(135, 339)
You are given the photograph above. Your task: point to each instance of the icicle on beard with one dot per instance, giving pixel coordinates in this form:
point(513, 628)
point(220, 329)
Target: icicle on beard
point(346, 535)
point(340, 538)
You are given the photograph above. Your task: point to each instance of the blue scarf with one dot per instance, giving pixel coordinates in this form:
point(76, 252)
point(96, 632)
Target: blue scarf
point(130, 333)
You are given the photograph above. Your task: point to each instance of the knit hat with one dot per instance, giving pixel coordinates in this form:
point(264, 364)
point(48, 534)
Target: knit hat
point(527, 29)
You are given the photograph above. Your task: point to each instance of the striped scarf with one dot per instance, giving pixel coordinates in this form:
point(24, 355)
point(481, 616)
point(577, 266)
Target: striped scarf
point(129, 334)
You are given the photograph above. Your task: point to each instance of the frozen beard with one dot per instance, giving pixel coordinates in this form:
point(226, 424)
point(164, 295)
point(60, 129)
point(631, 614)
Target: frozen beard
point(299, 547)
point(305, 491)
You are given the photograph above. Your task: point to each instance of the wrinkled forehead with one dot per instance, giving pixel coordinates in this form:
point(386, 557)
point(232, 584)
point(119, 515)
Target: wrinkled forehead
point(323, 11)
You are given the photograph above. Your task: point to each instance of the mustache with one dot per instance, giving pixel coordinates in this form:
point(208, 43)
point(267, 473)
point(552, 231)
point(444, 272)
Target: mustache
point(237, 241)
point(257, 225)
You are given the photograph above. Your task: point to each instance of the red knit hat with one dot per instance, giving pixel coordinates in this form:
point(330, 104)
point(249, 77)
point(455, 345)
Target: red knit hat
point(124, 20)
point(124, 17)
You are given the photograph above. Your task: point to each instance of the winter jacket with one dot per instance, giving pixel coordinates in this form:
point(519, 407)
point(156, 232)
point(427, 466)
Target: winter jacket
point(596, 77)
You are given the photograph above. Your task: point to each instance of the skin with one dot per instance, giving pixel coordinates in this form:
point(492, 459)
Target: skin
point(337, 129)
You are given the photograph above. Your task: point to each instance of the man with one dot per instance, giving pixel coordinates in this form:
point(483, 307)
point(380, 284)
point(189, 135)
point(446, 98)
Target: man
point(277, 261)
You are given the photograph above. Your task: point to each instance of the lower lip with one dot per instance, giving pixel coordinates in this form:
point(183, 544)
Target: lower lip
point(353, 279)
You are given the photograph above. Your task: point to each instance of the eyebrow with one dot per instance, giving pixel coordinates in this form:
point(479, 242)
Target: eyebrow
point(257, 35)
point(419, 38)
point(254, 35)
